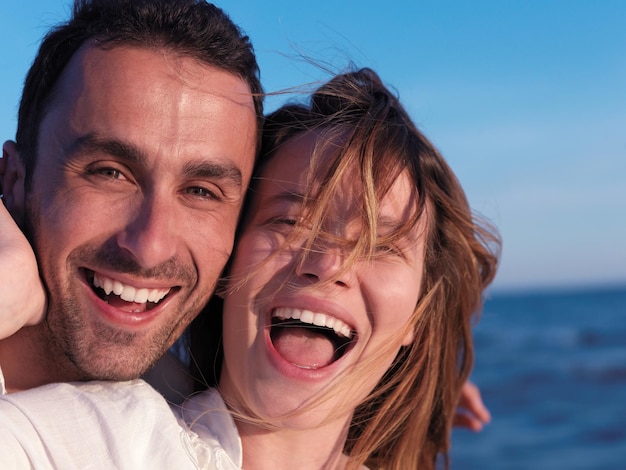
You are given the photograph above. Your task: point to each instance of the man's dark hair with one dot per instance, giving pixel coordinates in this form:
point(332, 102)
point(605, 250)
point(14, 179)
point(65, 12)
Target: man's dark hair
point(193, 28)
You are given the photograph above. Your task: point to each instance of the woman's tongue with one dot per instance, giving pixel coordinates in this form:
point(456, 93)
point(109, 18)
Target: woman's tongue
point(303, 347)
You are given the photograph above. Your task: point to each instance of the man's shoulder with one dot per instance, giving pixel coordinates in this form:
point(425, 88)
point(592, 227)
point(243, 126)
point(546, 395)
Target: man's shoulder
point(118, 424)
point(87, 393)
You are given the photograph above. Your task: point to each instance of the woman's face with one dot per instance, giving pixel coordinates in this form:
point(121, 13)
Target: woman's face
point(286, 338)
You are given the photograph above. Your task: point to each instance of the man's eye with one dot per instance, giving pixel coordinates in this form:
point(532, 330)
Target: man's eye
point(202, 192)
point(107, 172)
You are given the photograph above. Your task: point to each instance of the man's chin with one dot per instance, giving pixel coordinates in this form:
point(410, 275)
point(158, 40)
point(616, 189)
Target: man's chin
point(112, 369)
point(107, 359)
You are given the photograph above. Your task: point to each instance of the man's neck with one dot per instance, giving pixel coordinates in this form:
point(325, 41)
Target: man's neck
point(28, 360)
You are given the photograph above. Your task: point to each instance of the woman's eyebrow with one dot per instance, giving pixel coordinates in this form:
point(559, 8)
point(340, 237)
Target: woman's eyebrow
point(286, 196)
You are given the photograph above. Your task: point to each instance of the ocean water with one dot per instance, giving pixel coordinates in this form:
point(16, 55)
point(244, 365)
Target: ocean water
point(552, 370)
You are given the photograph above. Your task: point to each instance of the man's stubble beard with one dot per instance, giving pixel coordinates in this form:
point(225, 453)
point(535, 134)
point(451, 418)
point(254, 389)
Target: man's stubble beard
point(73, 349)
point(103, 352)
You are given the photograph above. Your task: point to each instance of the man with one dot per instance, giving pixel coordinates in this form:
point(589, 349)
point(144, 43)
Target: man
point(137, 132)
point(136, 138)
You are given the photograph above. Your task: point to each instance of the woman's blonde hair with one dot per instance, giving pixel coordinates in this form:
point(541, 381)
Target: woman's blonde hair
point(405, 422)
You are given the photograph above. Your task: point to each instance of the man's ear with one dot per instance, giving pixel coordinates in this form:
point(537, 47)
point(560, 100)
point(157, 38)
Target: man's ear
point(13, 181)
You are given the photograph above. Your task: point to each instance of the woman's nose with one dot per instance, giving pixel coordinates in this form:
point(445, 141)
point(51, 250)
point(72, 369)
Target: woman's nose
point(324, 264)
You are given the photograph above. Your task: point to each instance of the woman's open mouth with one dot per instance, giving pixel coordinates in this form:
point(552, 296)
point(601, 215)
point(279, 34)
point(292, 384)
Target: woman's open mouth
point(309, 340)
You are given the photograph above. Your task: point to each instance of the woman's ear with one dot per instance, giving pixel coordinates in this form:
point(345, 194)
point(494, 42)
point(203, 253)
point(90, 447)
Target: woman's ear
point(409, 338)
point(220, 288)
point(12, 176)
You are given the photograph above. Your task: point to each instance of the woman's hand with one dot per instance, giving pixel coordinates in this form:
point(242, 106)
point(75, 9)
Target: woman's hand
point(22, 294)
point(471, 412)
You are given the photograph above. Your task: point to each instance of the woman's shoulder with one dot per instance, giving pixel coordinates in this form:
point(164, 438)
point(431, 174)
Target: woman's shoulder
point(206, 414)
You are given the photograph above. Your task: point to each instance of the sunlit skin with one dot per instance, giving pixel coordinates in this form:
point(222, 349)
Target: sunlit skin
point(144, 157)
point(376, 298)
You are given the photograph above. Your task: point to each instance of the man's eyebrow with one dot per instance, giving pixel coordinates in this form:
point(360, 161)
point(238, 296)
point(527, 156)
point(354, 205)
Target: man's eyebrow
point(90, 143)
point(223, 170)
point(200, 169)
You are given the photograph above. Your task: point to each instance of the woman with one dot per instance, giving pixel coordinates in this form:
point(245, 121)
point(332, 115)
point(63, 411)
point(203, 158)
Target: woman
point(349, 300)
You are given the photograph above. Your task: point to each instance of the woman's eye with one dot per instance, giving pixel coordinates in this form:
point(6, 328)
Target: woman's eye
point(285, 221)
point(389, 250)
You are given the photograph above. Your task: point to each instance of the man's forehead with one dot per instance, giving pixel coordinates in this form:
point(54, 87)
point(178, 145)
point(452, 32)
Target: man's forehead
point(126, 64)
point(132, 97)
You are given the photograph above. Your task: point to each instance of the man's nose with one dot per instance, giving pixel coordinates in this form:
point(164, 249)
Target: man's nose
point(152, 231)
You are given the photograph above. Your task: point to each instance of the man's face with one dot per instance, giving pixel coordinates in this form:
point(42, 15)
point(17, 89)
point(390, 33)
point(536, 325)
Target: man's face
point(143, 161)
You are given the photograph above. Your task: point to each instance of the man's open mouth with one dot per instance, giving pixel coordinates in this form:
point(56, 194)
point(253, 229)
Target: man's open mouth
point(307, 339)
point(124, 296)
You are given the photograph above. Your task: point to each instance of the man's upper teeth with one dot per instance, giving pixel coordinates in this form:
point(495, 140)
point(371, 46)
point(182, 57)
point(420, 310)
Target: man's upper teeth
point(313, 318)
point(128, 293)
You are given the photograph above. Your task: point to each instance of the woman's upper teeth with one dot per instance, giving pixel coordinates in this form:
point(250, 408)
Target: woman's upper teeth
point(126, 292)
point(313, 318)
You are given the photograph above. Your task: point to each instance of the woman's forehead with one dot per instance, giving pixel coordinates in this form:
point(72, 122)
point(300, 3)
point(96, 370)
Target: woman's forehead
point(290, 162)
point(290, 170)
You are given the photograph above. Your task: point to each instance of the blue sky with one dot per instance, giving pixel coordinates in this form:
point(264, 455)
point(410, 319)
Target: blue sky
point(525, 99)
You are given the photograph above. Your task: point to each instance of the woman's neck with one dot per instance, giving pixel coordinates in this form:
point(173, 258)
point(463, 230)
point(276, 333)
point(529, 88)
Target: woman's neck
point(308, 449)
